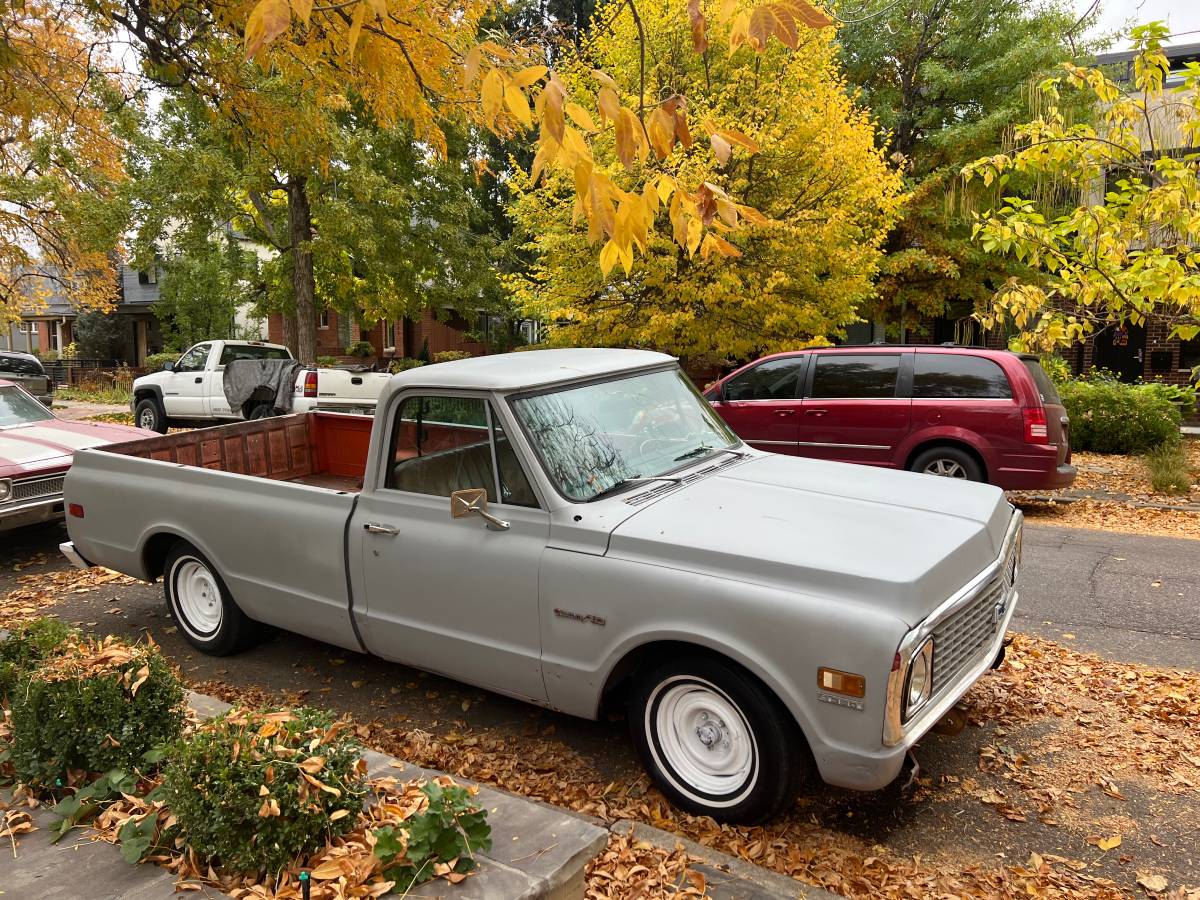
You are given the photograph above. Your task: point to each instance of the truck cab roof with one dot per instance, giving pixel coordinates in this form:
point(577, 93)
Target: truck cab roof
point(529, 370)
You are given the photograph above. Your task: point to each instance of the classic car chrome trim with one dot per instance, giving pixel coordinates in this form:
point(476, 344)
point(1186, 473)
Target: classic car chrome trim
point(895, 729)
point(772, 443)
point(67, 549)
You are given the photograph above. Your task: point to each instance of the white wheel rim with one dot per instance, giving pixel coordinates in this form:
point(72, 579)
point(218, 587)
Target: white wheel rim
point(147, 419)
point(702, 741)
point(198, 598)
point(947, 468)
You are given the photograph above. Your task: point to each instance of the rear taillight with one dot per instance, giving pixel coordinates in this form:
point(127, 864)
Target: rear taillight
point(310, 386)
point(1035, 424)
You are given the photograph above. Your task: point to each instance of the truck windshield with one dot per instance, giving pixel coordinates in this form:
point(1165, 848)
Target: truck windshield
point(593, 437)
point(18, 408)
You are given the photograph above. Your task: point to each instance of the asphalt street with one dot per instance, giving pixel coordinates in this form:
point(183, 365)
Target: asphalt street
point(1128, 598)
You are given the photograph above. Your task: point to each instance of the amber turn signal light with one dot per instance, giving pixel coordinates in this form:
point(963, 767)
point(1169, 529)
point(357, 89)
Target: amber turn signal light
point(837, 682)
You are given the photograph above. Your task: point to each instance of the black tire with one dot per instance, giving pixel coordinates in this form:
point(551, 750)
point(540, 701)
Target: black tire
point(149, 414)
point(703, 689)
point(261, 411)
point(225, 629)
point(951, 461)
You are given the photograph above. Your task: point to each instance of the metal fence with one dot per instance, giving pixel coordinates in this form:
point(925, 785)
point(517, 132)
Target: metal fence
point(104, 372)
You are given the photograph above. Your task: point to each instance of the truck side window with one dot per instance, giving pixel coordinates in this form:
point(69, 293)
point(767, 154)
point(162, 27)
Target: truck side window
point(441, 445)
point(194, 359)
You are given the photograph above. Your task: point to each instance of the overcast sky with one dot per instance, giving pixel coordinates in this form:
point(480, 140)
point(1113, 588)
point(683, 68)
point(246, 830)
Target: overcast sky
point(1183, 16)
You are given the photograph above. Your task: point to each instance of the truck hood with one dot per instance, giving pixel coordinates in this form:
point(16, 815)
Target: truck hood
point(898, 542)
point(25, 449)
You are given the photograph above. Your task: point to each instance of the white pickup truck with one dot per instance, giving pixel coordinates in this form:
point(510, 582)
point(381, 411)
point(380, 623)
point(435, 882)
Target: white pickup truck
point(578, 528)
point(191, 391)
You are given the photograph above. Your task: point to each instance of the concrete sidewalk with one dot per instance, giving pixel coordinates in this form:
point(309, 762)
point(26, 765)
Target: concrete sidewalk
point(538, 851)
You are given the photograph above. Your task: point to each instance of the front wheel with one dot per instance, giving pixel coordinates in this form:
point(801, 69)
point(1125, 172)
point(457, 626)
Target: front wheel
point(716, 741)
point(201, 605)
point(150, 416)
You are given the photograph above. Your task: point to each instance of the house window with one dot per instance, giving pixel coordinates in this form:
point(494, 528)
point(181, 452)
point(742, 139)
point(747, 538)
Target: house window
point(147, 277)
point(389, 334)
point(1189, 353)
point(323, 319)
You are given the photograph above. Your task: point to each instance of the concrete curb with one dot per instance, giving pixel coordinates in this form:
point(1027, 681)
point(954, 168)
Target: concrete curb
point(728, 878)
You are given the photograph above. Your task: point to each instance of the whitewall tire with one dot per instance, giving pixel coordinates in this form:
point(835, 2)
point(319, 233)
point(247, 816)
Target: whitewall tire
point(715, 740)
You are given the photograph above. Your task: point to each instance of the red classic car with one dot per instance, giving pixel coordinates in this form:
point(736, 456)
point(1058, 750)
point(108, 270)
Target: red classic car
point(35, 452)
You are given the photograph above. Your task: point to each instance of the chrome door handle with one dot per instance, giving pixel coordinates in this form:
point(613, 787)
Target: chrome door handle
point(380, 529)
point(785, 412)
point(815, 412)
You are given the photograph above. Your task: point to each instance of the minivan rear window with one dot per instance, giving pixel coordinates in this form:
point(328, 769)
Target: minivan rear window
point(848, 375)
point(956, 376)
point(1044, 385)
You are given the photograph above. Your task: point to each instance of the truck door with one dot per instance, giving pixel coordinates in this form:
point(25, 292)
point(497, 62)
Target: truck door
point(183, 390)
point(458, 596)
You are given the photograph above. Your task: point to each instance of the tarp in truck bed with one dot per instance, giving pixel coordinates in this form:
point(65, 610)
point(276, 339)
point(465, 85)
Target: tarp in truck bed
point(245, 376)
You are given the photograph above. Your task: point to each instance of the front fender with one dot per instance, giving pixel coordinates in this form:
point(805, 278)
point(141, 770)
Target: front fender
point(782, 637)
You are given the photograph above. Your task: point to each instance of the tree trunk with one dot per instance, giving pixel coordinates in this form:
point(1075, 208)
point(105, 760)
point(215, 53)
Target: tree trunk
point(300, 238)
point(289, 332)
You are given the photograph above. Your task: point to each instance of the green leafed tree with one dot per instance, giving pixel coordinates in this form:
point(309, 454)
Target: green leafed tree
point(946, 80)
point(206, 279)
point(1125, 247)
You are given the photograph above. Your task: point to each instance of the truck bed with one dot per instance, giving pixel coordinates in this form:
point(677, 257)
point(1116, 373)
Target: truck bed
point(326, 450)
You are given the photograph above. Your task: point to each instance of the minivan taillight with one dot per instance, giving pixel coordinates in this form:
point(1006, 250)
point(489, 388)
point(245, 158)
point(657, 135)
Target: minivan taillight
point(310, 389)
point(1035, 424)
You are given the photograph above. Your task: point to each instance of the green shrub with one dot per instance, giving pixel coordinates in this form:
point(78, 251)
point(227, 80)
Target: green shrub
point(1057, 368)
point(95, 392)
point(403, 364)
point(1111, 417)
point(27, 646)
point(327, 362)
point(361, 349)
point(252, 790)
point(1168, 468)
point(155, 361)
point(451, 830)
point(450, 355)
point(94, 707)
point(1184, 397)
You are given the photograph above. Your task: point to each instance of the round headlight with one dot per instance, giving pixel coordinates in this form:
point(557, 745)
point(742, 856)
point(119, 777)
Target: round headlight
point(920, 678)
point(5, 488)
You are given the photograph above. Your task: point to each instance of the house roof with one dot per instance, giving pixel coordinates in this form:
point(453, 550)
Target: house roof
point(1178, 52)
point(55, 304)
point(529, 369)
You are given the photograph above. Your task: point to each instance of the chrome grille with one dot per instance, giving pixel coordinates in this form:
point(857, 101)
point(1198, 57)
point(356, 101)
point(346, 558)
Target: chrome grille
point(34, 488)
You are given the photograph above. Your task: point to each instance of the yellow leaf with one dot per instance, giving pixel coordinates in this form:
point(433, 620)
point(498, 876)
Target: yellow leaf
point(609, 104)
point(740, 138)
point(471, 65)
point(661, 130)
point(694, 229)
point(604, 79)
point(143, 673)
point(551, 102)
point(338, 814)
point(327, 870)
point(322, 785)
point(626, 141)
point(1109, 843)
point(267, 21)
point(699, 26)
point(515, 100)
point(608, 257)
point(302, 9)
point(356, 24)
point(580, 117)
point(263, 791)
point(492, 93)
point(379, 6)
point(530, 76)
point(665, 185)
point(575, 143)
point(720, 147)
point(313, 764)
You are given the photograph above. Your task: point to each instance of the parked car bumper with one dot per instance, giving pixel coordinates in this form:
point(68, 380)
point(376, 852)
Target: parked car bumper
point(74, 557)
point(1029, 472)
point(32, 512)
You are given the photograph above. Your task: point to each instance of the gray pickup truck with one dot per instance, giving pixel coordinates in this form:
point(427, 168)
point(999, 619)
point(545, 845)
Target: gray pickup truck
point(577, 528)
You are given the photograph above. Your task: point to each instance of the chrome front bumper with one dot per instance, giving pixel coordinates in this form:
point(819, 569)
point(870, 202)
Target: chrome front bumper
point(897, 732)
point(67, 548)
point(31, 512)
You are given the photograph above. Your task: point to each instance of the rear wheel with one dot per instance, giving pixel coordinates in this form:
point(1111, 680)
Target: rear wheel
point(261, 411)
point(715, 741)
point(149, 415)
point(201, 605)
point(948, 462)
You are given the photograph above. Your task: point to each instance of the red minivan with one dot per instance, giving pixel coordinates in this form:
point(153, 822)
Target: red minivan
point(961, 412)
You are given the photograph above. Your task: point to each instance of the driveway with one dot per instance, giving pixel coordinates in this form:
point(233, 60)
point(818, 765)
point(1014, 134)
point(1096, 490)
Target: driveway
point(1046, 769)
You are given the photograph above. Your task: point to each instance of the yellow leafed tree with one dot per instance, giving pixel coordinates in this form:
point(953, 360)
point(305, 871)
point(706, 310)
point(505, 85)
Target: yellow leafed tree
point(60, 164)
point(775, 200)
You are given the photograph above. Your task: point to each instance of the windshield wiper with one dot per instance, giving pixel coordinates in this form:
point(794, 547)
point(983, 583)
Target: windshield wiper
point(702, 449)
point(635, 479)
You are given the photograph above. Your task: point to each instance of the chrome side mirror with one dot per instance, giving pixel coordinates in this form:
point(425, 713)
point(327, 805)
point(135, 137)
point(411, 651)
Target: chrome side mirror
point(473, 501)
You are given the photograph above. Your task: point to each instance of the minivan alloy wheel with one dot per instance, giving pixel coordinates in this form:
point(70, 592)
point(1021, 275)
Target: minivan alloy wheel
point(947, 468)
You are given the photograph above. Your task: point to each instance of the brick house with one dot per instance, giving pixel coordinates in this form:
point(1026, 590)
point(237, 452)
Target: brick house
point(403, 337)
